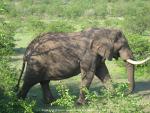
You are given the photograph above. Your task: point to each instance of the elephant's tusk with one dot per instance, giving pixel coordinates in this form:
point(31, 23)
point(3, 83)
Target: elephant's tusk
point(137, 62)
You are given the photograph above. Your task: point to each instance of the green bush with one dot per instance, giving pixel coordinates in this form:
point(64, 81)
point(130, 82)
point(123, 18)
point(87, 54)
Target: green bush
point(65, 100)
point(6, 39)
point(100, 10)
point(139, 21)
point(117, 8)
point(141, 48)
point(3, 8)
point(113, 102)
point(36, 26)
point(60, 26)
point(140, 45)
point(110, 102)
point(8, 101)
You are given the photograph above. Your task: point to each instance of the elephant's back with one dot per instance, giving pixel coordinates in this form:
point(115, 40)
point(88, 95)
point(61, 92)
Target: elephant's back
point(47, 42)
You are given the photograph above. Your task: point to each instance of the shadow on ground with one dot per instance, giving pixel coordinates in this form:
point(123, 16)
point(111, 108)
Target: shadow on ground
point(142, 86)
point(73, 84)
point(19, 51)
point(73, 87)
point(36, 92)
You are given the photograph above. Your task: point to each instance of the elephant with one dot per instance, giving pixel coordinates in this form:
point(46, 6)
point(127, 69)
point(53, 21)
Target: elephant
point(56, 56)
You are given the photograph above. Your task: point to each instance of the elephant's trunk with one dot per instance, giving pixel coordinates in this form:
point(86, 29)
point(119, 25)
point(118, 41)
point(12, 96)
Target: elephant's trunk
point(125, 54)
point(130, 73)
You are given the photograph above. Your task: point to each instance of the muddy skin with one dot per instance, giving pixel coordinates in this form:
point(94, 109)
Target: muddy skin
point(56, 56)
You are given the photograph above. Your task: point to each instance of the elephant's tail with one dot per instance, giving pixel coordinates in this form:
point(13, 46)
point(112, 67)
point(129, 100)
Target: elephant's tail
point(22, 70)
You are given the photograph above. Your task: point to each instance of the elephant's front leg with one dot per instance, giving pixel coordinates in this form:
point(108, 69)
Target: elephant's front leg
point(86, 79)
point(88, 66)
point(103, 74)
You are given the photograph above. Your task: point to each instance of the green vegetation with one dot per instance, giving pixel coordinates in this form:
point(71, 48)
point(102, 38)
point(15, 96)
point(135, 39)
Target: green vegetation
point(22, 20)
point(8, 101)
point(101, 101)
point(65, 100)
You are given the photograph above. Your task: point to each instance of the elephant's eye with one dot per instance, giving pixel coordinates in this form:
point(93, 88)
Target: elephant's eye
point(116, 39)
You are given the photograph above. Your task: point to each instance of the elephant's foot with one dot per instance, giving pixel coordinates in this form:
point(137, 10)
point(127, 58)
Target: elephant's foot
point(109, 86)
point(81, 101)
point(21, 95)
point(48, 100)
point(129, 90)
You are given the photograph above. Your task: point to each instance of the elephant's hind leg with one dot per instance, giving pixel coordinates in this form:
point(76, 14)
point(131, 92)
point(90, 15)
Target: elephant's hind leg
point(30, 79)
point(25, 89)
point(47, 95)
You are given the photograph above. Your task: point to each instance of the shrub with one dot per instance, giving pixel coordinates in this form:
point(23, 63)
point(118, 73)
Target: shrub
point(8, 101)
point(139, 21)
point(6, 39)
point(113, 102)
point(36, 26)
point(140, 47)
point(66, 100)
point(60, 26)
point(3, 8)
point(117, 8)
point(110, 102)
point(139, 44)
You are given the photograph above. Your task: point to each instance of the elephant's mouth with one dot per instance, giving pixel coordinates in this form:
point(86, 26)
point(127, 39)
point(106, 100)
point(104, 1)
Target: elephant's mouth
point(137, 62)
point(116, 56)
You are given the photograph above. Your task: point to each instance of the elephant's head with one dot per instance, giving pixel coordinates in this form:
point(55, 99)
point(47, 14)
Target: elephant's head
point(111, 43)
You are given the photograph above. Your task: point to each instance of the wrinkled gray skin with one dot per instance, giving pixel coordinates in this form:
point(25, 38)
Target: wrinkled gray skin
point(56, 56)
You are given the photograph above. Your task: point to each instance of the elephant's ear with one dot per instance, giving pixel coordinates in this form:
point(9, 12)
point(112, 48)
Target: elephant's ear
point(105, 49)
